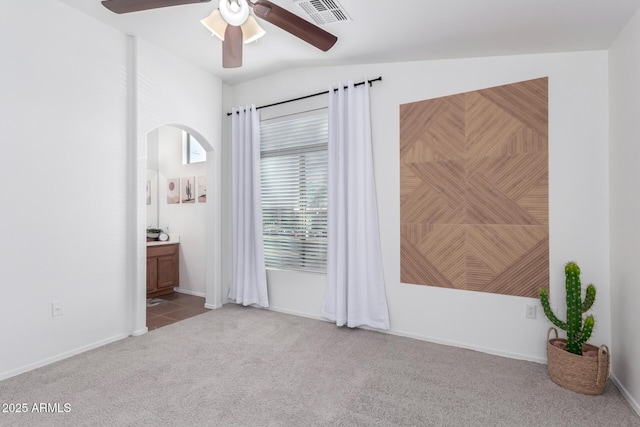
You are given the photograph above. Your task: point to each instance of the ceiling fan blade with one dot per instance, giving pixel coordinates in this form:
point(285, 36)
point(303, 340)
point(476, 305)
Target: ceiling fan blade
point(293, 24)
point(126, 6)
point(232, 47)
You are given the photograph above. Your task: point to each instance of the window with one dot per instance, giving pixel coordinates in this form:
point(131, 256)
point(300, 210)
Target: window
point(293, 162)
point(192, 151)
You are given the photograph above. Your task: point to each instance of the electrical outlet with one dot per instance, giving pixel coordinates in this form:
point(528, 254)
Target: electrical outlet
point(530, 311)
point(56, 308)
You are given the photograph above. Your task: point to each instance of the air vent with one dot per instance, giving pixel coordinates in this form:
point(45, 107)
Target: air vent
point(324, 11)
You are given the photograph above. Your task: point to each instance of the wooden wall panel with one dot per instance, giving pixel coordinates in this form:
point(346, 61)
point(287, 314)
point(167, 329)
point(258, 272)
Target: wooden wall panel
point(474, 175)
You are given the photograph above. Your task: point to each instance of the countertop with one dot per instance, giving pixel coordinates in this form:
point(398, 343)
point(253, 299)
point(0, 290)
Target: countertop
point(173, 239)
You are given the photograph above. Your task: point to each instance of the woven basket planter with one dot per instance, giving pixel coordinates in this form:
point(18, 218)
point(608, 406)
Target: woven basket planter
point(582, 374)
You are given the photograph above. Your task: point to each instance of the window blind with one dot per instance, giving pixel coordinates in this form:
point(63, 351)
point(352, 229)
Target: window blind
point(293, 151)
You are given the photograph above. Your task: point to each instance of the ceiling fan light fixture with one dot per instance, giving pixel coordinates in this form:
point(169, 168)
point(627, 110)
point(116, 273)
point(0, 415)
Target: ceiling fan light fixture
point(215, 23)
point(251, 30)
point(235, 12)
point(228, 23)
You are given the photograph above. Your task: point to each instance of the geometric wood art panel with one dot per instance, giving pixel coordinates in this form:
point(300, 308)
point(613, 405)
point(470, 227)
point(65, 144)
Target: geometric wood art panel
point(474, 186)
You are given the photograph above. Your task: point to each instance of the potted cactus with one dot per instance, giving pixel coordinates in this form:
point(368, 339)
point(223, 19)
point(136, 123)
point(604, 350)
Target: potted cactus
point(574, 364)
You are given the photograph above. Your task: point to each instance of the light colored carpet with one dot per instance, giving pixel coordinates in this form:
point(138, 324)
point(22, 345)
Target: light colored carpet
point(239, 366)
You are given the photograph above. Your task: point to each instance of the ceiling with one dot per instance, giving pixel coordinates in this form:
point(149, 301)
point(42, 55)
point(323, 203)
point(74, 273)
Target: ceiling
point(385, 31)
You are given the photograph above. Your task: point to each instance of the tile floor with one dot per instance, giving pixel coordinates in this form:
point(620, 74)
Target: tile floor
point(178, 307)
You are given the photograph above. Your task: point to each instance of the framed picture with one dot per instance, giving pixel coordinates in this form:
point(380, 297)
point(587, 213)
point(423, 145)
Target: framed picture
point(173, 191)
point(188, 189)
point(202, 189)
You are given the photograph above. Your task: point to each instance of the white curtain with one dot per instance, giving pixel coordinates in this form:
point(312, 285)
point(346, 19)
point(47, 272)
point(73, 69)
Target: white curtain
point(249, 276)
point(355, 293)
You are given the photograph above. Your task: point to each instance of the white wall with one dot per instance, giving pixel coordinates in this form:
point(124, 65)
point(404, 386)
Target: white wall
point(624, 72)
point(63, 173)
point(187, 220)
point(78, 99)
point(152, 178)
point(578, 166)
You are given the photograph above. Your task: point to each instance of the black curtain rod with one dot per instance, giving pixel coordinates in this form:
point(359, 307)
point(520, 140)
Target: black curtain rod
point(315, 94)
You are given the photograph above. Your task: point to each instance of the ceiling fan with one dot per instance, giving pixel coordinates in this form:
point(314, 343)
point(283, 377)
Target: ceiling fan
point(234, 25)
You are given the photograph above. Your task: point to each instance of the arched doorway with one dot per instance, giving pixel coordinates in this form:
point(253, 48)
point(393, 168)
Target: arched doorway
point(194, 222)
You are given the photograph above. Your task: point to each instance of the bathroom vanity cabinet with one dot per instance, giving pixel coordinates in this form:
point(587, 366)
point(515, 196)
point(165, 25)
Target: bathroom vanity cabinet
point(162, 269)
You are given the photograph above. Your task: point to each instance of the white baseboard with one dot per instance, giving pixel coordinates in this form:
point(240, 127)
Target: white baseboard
point(487, 350)
point(62, 356)
point(509, 355)
point(212, 306)
point(188, 292)
point(139, 332)
point(625, 393)
point(296, 313)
